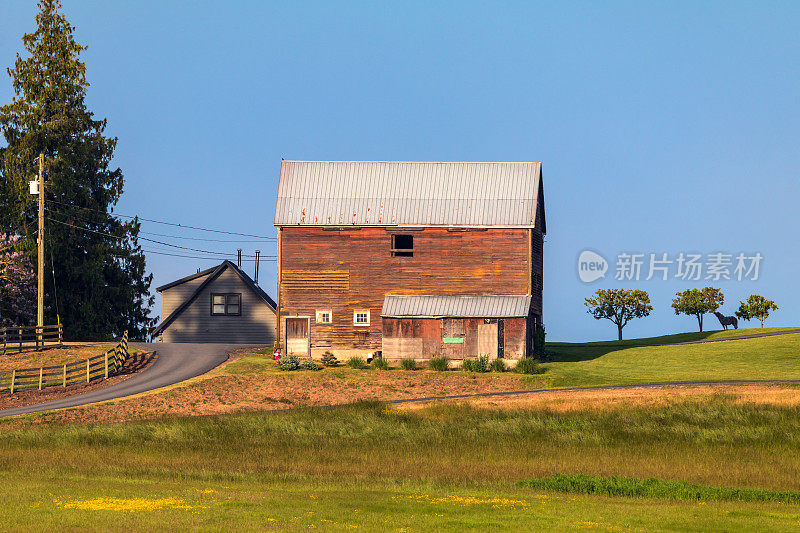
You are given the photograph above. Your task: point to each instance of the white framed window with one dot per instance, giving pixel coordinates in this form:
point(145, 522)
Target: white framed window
point(324, 316)
point(361, 318)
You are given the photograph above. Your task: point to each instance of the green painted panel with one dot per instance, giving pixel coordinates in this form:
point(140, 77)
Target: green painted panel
point(453, 340)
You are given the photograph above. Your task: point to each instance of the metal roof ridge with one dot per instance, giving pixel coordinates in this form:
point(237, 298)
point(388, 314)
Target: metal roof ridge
point(405, 161)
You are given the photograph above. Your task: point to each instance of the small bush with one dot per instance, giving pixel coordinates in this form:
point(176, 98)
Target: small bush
point(479, 364)
point(408, 364)
point(328, 359)
point(529, 365)
point(440, 363)
point(380, 363)
point(357, 362)
point(310, 364)
point(497, 365)
point(289, 362)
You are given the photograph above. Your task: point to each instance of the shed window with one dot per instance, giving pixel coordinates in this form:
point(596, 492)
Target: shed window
point(361, 318)
point(324, 317)
point(402, 245)
point(226, 304)
point(453, 327)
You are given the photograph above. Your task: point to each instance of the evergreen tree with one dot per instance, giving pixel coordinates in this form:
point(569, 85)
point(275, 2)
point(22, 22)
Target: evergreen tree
point(98, 286)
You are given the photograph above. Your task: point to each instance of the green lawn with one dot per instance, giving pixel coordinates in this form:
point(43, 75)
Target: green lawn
point(706, 463)
point(679, 337)
point(368, 467)
point(615, 363)
point(102, 503)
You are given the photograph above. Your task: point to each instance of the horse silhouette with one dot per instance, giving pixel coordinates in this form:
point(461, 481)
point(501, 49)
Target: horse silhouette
point(727, 320)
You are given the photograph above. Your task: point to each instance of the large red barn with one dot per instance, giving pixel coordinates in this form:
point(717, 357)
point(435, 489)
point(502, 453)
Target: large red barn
point(415, 259)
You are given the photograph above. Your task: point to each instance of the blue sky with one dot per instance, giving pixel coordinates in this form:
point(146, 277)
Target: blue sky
point(662, 127)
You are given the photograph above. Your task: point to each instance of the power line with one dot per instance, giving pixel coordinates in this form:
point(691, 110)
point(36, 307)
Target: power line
point(53, 269)
point(265, 237)
point(148, 240)
point(64, 213)
point(202, 257)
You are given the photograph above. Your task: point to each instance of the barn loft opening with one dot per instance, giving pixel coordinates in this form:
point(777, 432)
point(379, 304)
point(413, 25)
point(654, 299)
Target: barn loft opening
point(402, 245)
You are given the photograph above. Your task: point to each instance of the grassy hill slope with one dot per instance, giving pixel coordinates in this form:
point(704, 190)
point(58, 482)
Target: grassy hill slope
point(641, 361)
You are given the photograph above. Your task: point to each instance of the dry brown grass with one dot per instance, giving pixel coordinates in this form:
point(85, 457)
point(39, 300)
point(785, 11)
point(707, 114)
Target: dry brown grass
point(136, 362)
point(607, 399)
point(50, 356)
point(255, 383)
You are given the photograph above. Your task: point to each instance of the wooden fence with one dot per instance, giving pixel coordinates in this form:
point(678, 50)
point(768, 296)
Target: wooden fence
point(37, 337)
point(93, 368)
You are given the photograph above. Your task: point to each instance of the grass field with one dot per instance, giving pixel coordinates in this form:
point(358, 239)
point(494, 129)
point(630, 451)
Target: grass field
point(694, 459)
point(692, 336)
point(615, 363)
point(368, 467)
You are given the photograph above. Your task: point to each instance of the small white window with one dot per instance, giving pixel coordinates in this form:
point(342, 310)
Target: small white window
point(324, 317)
point(361, 318)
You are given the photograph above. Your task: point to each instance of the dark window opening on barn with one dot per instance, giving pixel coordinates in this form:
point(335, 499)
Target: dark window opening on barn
point(402, 245)
point(226, 304)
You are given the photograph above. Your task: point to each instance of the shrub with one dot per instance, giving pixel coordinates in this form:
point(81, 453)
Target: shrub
point(497, 365)
point(289, 362)
point(328, 359)
point(408, 364)
point(529, 365)
point(440, 363)
point(357, 362)
point(310, 364)
point(380, 363)
point(539, 340)
point(479, 364)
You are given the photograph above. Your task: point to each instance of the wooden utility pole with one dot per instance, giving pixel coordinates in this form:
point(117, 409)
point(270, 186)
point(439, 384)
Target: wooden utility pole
point(40, 269)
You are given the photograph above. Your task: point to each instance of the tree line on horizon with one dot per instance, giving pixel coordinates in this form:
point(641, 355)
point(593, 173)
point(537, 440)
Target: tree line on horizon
point(620, 306)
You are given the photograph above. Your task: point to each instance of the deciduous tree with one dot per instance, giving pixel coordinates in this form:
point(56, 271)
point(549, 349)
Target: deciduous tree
point(698, 302)
point(619, 306)
point(756, 306)
point(17, 284)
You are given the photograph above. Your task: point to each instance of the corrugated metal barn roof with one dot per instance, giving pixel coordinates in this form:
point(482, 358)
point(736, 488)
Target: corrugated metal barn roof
point(387, 193)
point(401, 305)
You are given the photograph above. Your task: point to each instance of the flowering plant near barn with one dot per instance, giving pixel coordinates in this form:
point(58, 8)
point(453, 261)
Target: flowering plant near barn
point(17, 284)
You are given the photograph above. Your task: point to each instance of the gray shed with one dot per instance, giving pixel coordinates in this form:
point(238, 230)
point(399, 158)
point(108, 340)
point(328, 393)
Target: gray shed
point(220, 304)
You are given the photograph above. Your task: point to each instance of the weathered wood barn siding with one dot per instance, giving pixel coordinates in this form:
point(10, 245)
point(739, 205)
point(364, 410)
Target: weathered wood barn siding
point(352, 268)
point(477, 230)
point(424, 338)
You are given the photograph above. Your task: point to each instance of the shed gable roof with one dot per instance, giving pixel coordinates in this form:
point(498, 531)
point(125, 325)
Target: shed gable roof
point(388, 193)
point(491, 306)
point(214, 274)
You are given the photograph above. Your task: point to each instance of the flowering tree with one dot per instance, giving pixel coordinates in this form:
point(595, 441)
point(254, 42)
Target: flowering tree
point(17, 284)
